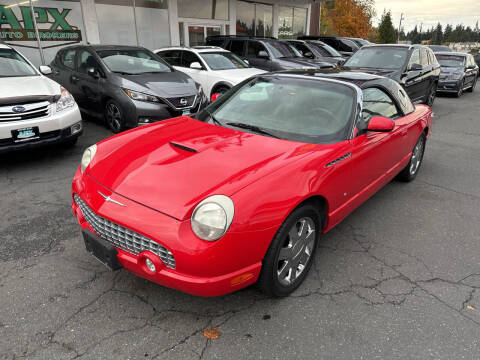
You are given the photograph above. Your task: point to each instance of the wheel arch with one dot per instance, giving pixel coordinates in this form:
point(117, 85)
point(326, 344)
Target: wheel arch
point(219, 85)
point(321, 203)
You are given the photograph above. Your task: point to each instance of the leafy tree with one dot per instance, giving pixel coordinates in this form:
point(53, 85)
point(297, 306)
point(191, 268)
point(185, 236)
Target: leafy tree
point(447, 32)
point(386, 31)
point(348, 18)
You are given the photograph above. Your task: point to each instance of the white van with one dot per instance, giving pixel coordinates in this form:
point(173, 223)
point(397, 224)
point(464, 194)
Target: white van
point(34, 110)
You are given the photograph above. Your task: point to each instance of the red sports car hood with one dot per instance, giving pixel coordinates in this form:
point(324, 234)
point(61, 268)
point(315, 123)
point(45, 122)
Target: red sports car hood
point(173, 165)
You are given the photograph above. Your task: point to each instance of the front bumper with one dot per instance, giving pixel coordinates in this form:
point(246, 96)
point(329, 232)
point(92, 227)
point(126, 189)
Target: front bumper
point(141, 112)
point(201, 268)
point(449, 86)
point(55, 128)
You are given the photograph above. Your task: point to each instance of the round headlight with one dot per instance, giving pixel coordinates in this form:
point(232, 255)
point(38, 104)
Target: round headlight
point(87, 157)
point(212, 217)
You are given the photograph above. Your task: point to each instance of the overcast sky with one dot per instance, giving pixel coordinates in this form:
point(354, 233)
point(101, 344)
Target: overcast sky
point(430, 12)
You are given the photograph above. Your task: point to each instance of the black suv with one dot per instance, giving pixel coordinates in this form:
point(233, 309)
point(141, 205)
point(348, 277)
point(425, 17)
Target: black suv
point(345, 46)
point(415, 67)
point(127, 85)
point(318, 50)
point(266, 53)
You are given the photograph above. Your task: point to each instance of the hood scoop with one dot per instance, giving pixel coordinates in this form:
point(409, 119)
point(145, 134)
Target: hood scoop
point(183, 147)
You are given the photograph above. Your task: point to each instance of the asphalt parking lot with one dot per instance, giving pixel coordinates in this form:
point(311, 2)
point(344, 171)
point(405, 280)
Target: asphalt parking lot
point(398, 279)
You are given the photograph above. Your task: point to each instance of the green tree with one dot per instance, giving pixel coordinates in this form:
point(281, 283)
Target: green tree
point(437, 37)
point(386, 31)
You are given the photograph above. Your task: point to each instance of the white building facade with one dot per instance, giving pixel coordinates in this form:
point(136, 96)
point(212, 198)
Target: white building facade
point(38, 28)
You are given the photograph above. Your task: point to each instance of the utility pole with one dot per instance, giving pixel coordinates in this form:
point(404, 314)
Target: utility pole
point(400, 28)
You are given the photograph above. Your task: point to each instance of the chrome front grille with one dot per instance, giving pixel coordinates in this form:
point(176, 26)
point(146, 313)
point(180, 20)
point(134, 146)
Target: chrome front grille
point(122, 237)
point(29, 111)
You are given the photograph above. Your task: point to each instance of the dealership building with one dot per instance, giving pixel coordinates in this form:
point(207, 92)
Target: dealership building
point(38, 28)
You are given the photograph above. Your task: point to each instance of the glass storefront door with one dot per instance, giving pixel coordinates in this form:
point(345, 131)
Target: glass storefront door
point(198, 33)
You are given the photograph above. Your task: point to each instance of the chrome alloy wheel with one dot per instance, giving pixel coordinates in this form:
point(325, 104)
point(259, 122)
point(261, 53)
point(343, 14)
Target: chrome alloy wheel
point(114, 117)
point(296, 252)
point(417, 155)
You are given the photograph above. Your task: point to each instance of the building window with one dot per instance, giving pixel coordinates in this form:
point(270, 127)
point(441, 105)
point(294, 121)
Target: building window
point(117, 18)
point(203, 9)
point(254, 19)
point(292, 22)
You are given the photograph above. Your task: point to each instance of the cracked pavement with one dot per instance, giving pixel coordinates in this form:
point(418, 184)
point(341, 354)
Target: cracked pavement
point(398, 279)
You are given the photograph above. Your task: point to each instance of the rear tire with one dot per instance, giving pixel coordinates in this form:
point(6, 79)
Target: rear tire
point(291, 252)
point(114, 117)
point(409, 173)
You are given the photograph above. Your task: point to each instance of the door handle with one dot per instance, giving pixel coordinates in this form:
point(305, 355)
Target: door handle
point(74, 78)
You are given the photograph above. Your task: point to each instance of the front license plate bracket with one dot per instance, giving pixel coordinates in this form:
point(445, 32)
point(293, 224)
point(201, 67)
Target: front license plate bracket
point(102, 250)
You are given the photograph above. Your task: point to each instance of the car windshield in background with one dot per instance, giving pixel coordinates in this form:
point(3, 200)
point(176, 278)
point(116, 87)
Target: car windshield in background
point(450, 61)
point(327, 48)
point(282, 49)
point(311, 111)
point(12, 64)
point(378, 58)
point(223, 61)
point(132, 62)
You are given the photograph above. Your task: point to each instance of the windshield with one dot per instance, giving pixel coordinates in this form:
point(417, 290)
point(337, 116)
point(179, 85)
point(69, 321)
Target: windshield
point(133, 61)
point(327, 48)
point(223, 60)
point(450, 61)
point(13, 64)
point(378, 58)
point(282, 49)
point(305, 110)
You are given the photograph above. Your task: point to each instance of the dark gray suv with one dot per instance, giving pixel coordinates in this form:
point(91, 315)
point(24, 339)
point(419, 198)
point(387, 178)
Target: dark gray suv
point(268, 54)
point(128, 86)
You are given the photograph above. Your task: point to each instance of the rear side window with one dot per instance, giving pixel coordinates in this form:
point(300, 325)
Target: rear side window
point(173, 57)
point(215, 42)
point(237, 47)
point(68, 59)
point(378, 103)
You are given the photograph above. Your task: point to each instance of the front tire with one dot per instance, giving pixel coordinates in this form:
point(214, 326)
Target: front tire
point(431, 95)
point(411, 170)
point(460, 89)
point(472, 88)
point(114, 117)
point(291, 252)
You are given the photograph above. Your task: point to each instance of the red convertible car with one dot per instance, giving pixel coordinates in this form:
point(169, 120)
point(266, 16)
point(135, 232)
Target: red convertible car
point(241, 192)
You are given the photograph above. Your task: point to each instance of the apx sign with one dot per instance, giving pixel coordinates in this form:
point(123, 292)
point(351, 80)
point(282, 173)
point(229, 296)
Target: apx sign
point(16, 24)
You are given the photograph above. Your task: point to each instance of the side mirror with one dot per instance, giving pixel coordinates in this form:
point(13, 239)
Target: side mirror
point(308, 54)
point(214, 97)
point(45, 70)
point(380, 124)
point(196, 65)
point(416, 67)
point(263, 54)
point(93, 72)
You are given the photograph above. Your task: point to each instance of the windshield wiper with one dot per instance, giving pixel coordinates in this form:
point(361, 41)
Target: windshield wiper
point(214, 119)
point(251, 127)
point(124, 73)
